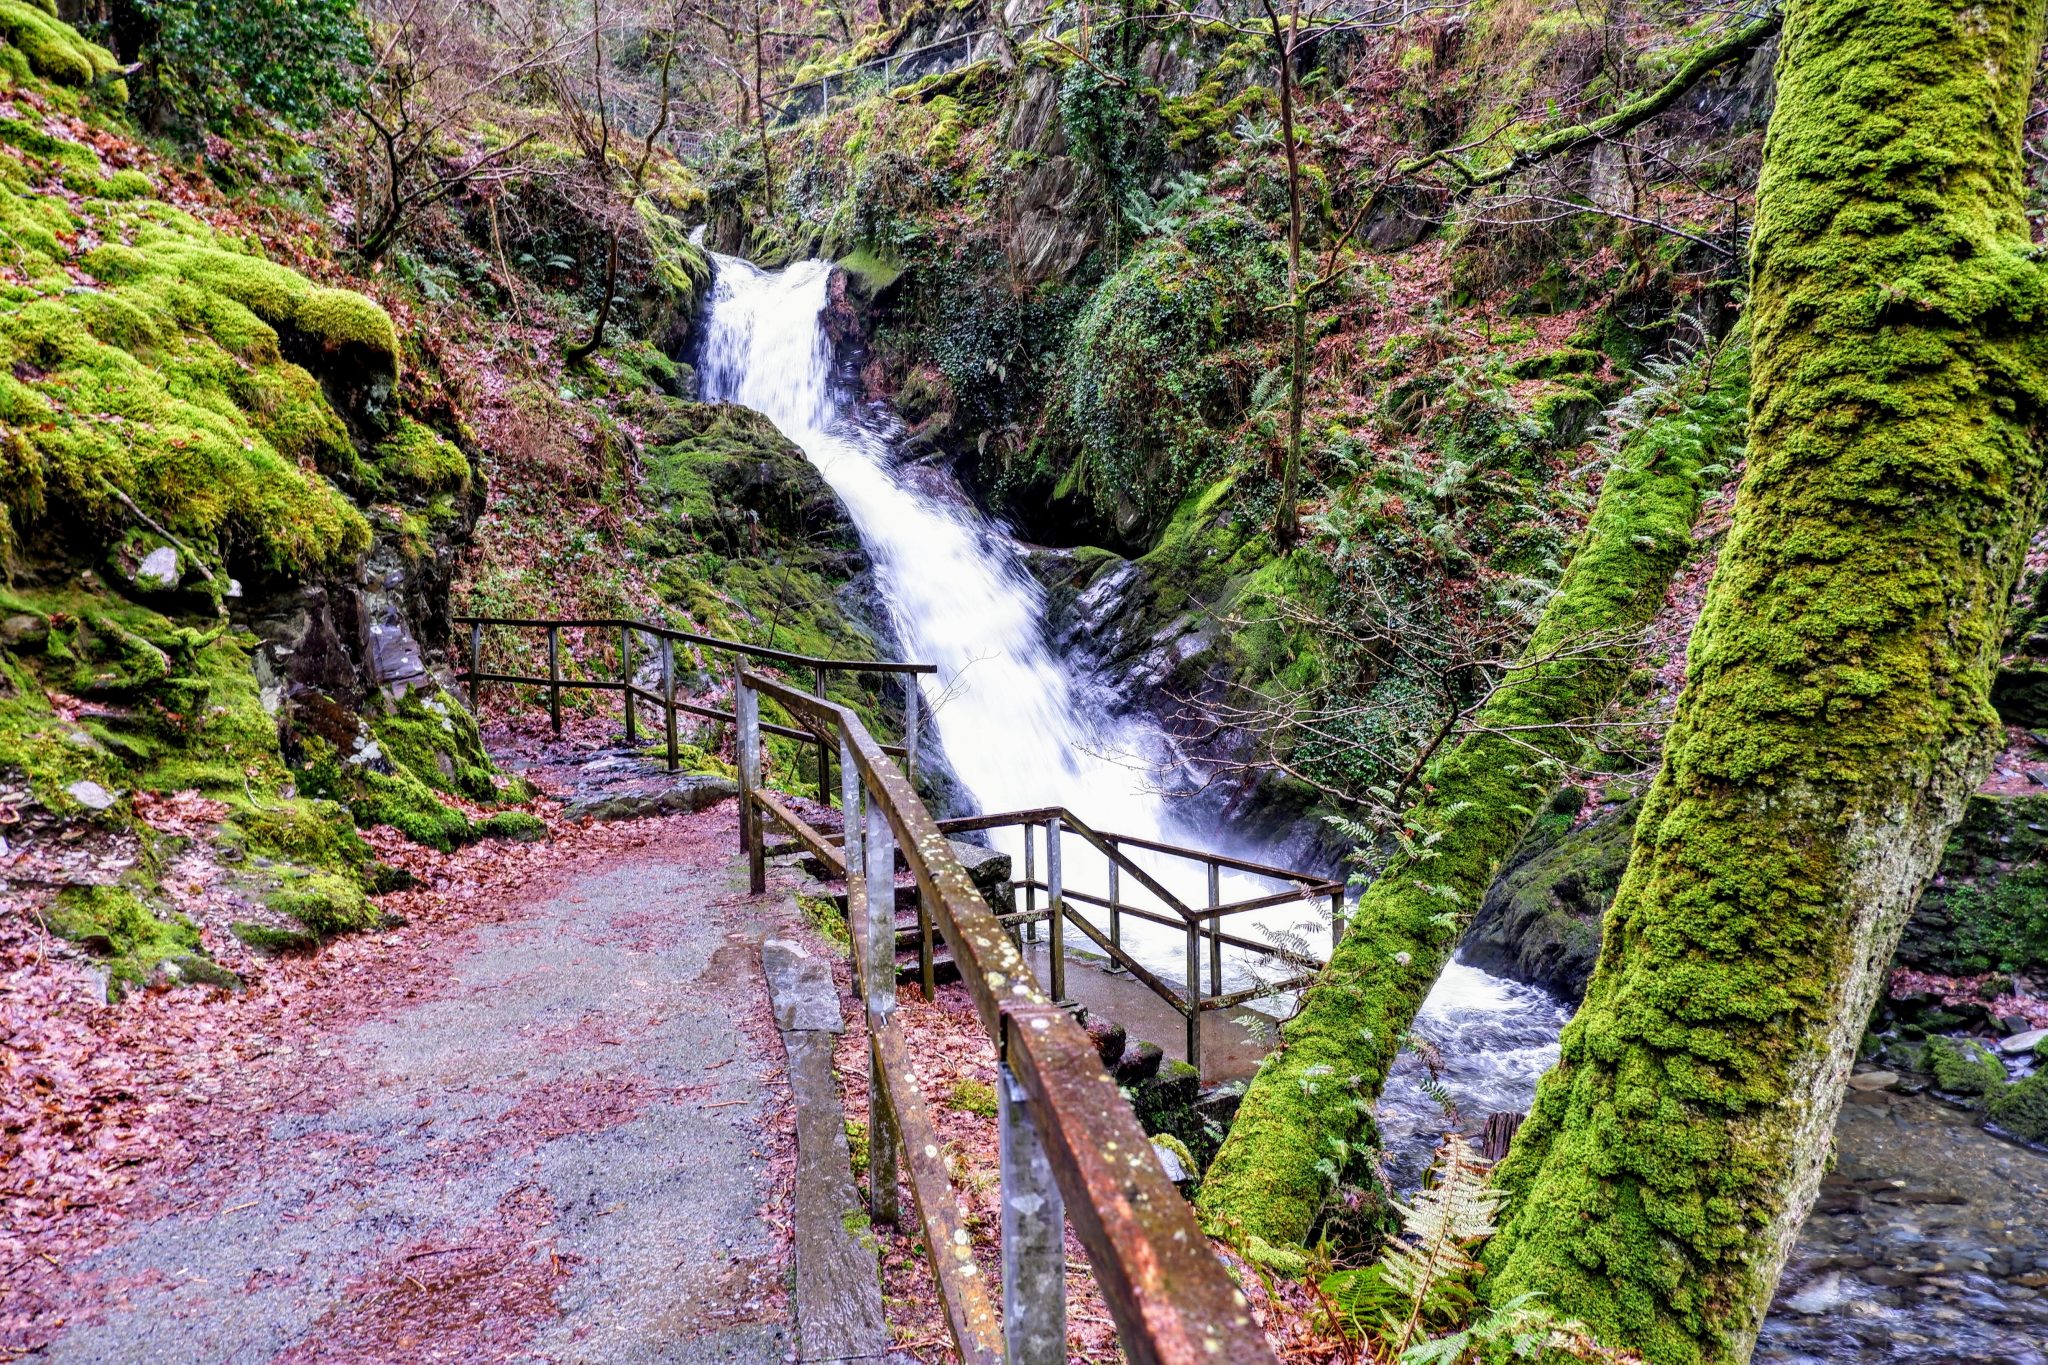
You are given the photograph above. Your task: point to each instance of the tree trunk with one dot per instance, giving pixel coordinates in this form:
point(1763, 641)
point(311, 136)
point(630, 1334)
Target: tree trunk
point(1308, 1108)
point(1836, 713)
point(1286, 519)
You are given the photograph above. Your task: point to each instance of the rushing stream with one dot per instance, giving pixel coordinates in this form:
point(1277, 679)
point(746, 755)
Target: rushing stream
point(1021, 728)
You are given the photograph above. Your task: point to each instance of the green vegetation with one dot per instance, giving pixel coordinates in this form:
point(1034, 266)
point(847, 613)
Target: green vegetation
point(210, 63)
point(112, 922)
point(1836, 714)
point(976, 1097)
point(1311, 1104)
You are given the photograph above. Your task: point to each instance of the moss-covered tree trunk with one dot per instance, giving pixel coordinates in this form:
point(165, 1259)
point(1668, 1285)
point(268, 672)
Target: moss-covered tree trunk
point(1310, 1106)
point(1836, 711)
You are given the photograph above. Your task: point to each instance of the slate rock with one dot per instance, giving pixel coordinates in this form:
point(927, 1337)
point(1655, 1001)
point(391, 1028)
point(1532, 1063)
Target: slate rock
point(689, 794)
point(91, 794)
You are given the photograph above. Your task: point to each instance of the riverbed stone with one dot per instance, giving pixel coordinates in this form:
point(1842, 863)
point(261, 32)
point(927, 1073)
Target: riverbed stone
point(2024, 1042)
point(1873, 1080)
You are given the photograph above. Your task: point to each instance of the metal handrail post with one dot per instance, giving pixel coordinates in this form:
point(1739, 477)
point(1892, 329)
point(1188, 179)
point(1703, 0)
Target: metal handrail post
point(1215, 931)
point(1056, 911)
point(1034, 1235)
point(1030, 891)
point(476, 663)
point(1194, 998)
point(555, 678)
point(1116, 916)
point(878, 859)
point(626, 678)
point(747, 711)
point(1336, 918)
point(668, 700)
point(850, 817)
point(824, 747)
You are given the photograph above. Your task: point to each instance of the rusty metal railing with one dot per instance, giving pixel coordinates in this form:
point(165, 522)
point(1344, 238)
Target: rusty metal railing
point(1200, 925)
point(1197, 924)
point(1071, 1149)
point(664, 700)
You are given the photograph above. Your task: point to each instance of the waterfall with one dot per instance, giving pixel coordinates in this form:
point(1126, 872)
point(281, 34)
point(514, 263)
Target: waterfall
point(1018, 730)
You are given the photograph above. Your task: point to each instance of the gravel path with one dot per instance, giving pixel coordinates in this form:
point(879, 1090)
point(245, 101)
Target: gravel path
point(562, 1145)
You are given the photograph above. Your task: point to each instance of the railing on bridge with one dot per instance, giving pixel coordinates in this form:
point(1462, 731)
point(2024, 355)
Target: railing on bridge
point(1199, 925)
point(662, 697)
point(1070, 1146)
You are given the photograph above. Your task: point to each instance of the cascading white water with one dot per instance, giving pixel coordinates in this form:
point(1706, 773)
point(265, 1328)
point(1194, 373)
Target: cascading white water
point(1016, 730)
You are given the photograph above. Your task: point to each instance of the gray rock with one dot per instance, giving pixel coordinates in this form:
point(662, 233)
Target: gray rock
point(23, 632)
point(1170, 1162)
point(1873, 1080)
point(990, 871)
point(158, 569)
point(801, 987)
point(2024, 1042)
point(694, 792)
point(90, 794)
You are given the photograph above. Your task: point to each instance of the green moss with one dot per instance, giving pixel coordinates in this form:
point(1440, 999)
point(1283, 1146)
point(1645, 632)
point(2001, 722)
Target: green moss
point(342, 317)
point(829, 920)
point(269, 938)
point(857, 1143)
point(326, 904)
point(973, 1097)
point(54, 49)
point(127, 184)
point(1145, 402)
point(516, 825)
point(418, 459)
point(113, 923)
point(434, 737)
point(2022, 1109)
point(1306, 1109)
point(1963, 1067)
point(1836, 712)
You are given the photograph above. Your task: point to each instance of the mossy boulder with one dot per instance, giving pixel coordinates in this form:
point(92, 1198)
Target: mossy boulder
point(418, 460)
point(138, 946)
point(722, 471)
point(2022, 1108)
point(326, 904)
point(1540, 921)
point(1962, 1066)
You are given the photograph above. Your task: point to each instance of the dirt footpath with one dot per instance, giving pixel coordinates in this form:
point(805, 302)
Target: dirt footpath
point(544, 1128)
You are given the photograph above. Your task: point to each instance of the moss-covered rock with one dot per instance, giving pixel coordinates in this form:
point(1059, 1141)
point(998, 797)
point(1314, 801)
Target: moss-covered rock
point(1962, 1066)
point(113, 923)
point(2022, 1108)
point(416, 459)
point(326, 904)
point(1540, 921)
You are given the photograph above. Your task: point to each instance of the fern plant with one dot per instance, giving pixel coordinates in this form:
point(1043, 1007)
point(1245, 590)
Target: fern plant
point(1450, 1216)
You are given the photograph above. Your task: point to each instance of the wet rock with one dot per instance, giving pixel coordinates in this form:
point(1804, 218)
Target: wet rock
point(2024, 1042)
point(1873, 1080)
point(1139, 1063)
point(1540, 921)
point(1108, 1037)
